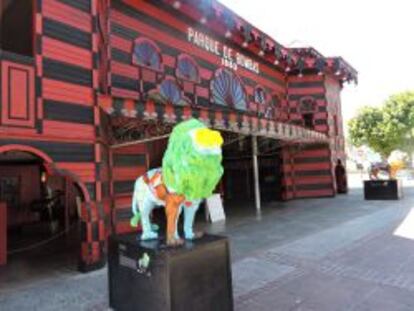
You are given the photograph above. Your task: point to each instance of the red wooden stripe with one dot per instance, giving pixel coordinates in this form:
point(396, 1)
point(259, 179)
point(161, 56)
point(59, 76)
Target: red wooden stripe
point(67, 92)
point(23, 133)
point(85, 171)
point(68, 130)
point(206, 74)
point(122, 201)
point(314, 193)
point(18, 132)
point(306, 78)
point(127, 173)
point(295, 103)
point(117, 92)
point(203, 92)
point(306, 91)
point(134, 149)
point(311, 180)
point(308, 166)
point(312, 153)
point(121, 43)
point(316, 116)
point(321, 128)
point(124, 70)
point(67, 53)
point(168, 60)
point(67, 14)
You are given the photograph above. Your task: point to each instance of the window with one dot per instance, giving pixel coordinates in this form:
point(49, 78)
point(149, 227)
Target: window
point(308, 120)
point(170, 91)
point(260, 96)
point(187, 68)
point(16, 31)
point(146, 54)
point(270, 112)
point(227, 90)
point(307, 104)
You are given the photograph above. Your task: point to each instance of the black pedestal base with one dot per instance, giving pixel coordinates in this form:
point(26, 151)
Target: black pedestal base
point(152, 277)
point(382, 189)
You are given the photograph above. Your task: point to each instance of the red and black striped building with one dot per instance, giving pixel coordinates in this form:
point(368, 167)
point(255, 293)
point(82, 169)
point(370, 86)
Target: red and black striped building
point(87, 76)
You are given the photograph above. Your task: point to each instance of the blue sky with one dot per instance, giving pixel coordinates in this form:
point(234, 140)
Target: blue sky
point(376, 37)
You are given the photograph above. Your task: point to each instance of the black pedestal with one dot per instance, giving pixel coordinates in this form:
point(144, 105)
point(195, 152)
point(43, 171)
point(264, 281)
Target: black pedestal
point(149, 276)
point(382, 189)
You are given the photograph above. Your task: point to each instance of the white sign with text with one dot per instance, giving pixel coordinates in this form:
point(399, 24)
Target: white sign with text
point(229, 57)
point(215, 208)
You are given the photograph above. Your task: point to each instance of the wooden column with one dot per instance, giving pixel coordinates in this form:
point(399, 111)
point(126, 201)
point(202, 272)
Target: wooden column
point(256, 174)
point(3, 233)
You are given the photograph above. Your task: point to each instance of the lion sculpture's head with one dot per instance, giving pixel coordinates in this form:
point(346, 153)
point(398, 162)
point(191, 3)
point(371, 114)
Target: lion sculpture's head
point(191, 165)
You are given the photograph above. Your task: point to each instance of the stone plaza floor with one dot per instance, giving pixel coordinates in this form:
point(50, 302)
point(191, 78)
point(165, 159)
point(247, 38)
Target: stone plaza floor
point(340, 253)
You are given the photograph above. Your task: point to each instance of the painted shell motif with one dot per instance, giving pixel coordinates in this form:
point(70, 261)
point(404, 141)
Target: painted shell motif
point(227, 90)
point(187, 69)
point(146, 54)
point(170, 91)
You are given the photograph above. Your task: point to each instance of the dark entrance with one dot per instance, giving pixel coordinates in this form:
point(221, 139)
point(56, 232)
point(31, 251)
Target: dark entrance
point(43, 212)
point(238, 180)
point(270, 171)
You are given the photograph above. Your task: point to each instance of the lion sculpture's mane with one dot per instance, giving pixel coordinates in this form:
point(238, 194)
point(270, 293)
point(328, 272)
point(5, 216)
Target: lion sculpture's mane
point(187, 171)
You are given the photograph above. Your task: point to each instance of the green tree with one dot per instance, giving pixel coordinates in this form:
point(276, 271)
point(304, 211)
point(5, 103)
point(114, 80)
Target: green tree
point(399, 119)
point(367, 128)
point(386, 128)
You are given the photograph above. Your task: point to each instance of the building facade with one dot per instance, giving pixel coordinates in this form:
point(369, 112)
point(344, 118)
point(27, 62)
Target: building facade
point(93, 87)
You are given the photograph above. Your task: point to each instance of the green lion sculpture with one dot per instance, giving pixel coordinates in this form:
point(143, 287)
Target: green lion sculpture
point(191, 170)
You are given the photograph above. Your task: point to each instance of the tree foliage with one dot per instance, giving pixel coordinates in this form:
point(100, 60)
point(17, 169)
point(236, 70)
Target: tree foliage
point(386, 128)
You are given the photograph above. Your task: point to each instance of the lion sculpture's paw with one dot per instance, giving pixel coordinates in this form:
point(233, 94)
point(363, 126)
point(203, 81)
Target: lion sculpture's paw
point(149, 236)
point(175, 242)
point(194, 235)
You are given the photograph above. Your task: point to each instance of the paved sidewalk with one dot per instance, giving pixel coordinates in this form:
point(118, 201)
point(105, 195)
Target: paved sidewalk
point(358, 265)
point(321, 254)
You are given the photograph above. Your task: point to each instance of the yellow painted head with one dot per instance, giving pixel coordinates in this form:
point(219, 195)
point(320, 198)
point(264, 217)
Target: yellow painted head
point(206, 140)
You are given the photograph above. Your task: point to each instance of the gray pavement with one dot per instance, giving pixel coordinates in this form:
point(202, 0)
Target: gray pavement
point(321, 254)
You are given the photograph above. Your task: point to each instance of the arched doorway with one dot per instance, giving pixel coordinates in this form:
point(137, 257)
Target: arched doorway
point(45, 206)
